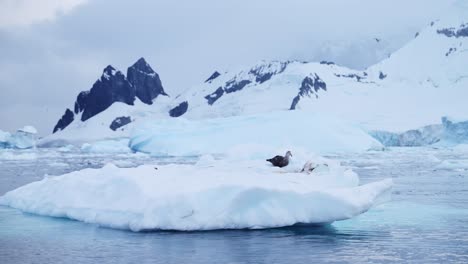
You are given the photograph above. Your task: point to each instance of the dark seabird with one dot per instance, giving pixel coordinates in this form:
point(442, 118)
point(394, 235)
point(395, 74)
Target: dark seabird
point(280, 161)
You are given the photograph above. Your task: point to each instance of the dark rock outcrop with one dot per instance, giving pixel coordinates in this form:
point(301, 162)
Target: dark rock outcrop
point(145, 81)
point(212, 77)
point(258, 75)
point(234, 86)
point(450, 51)
point(264, 72)
point(310, 86)
point(66, 120)
point(352, 75)
point(179, 110)
point(142, 83)
point(215, 96)
point(382, 76)
point(120, 122)
point(110, 88)
point(327, 62)
point(460, 32)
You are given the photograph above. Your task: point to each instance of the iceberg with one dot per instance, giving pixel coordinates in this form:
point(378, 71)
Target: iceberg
point(268, 132)
point(23, 138)
point(449, 133)
point(4, 139)
point(208, 195)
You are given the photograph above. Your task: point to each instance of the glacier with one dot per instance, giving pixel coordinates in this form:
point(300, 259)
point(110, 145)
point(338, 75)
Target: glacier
point(250, 135)
point(209, 195)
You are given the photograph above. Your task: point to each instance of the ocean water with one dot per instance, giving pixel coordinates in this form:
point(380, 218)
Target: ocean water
point(426, 221)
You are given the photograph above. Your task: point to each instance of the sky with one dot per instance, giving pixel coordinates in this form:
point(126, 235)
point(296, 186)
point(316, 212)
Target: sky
point(50, 50)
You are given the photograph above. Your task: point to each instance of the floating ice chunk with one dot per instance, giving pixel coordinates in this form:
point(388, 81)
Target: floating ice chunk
point(457, 165)
point(107, 146)
point(195, 197)
point(8, 154)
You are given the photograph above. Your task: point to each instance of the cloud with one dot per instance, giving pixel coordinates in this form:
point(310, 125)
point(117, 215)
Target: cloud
point(14, 13)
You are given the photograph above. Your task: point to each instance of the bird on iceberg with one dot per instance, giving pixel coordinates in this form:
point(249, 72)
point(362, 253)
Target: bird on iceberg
point(310, 166)
point(280, 161)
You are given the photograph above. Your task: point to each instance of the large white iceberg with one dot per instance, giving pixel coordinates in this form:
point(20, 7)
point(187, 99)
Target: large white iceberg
point(269, 132)
point(206, 196)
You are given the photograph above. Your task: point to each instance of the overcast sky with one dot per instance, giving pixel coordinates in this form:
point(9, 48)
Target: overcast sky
point(52, 49)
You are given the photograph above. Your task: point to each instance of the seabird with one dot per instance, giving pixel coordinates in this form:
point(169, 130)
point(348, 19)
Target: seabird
point(310, 166)
point(280, 161)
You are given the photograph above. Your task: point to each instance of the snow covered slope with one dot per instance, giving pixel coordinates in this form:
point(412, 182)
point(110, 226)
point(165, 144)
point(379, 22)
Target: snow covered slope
point(416, 86)
point(221, 195)
point(271, 86)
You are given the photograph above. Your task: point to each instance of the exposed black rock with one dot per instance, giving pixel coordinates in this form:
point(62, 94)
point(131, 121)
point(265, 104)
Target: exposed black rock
point(351, 75)
point(310, 86)
point(214, 96)
point(462, 31)
point(80, 103)
point(179, 110)
point(110, 88)
point(142, 83)
point(233, 86)
point(327, 62)
point(382, 76)
point(66, 120)
point(120, 122)
point(213, 76)
point(264, 73)
point(450, 51)
point(145, 81)
point(258, 74)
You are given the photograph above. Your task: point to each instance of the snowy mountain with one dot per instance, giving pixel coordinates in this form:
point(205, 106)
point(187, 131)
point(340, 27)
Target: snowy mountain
point(142, 83)
point(414, 87)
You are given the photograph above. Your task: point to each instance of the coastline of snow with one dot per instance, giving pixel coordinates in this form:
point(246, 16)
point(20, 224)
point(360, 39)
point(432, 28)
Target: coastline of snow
point(254, 133)
point(206, 196)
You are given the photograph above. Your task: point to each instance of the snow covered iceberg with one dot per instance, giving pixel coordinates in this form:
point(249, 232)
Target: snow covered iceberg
point(206, 196)
point(268, 132)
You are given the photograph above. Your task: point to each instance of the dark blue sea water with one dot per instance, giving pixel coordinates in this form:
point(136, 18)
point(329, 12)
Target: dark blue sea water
point(426, 222)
